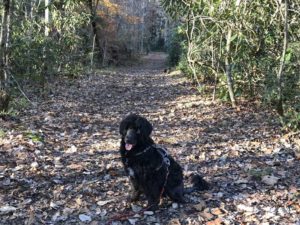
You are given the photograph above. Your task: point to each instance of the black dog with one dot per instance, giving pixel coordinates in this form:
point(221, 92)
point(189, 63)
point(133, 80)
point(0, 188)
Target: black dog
point(152, 171)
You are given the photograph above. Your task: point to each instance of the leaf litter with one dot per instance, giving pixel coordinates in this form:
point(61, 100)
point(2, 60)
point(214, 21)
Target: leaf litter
point(59, 163)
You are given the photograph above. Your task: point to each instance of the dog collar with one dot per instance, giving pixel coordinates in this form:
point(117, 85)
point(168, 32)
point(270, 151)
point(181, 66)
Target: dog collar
point(144, 151)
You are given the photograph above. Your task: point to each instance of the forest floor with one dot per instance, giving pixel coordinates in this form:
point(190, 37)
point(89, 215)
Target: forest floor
point(59, 160)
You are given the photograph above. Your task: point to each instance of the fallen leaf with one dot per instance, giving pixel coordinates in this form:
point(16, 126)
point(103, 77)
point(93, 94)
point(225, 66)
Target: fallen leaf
point(174, 222)
point(132, 221)
point(200, 206)
point(85, 218)
point(72, 149)
point(270, 180)
point(149, 213)
point(216, 211)
point(7, 209)
point(245, 208)
point(75, 166)
point(216, 221)
point(102, 203)
point(175, 205)
point(206, 215)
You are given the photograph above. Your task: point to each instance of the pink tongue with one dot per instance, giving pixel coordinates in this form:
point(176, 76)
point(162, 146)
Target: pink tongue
point(128, 147)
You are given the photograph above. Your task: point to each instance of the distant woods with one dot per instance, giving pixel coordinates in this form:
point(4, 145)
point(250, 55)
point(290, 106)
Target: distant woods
point(241, 50)
point(44, 39)
point(232, 50)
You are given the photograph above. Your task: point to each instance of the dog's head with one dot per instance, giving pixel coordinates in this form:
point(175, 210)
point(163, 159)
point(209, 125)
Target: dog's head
point(135, 130)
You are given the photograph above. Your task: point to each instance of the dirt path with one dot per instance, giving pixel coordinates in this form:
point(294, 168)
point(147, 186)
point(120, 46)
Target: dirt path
point(59, 164)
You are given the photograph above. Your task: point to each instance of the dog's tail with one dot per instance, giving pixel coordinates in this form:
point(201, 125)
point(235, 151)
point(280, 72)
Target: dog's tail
point(199, 184)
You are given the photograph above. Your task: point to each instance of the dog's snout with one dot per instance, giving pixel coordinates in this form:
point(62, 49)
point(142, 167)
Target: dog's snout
point(131, 136)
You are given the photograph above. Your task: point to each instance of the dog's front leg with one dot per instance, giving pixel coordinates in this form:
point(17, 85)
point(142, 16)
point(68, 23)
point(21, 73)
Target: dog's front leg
point(135, 190)
point(153, 194)
point(153, 203)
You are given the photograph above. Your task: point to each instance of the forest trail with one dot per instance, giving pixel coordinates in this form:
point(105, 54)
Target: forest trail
point(60, 164)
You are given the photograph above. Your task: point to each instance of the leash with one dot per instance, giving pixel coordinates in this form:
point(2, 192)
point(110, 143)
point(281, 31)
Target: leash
point(166, 160)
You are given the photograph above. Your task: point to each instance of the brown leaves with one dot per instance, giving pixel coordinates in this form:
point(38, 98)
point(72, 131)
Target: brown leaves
point(61, 164)
point(75, 166)
point(216, 221)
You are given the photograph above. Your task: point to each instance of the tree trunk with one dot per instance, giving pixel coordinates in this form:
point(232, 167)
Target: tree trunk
point(94, 27)
point(281, 67)
point(47, 20)
point(228, 70)
point(44, 75)
point(4, 45)
point(4, 100)
point(92, 54)
point(189, 34)
point(104, 55)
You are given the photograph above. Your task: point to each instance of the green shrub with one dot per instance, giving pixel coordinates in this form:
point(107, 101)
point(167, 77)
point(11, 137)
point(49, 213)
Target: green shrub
point(291, 119)
point(175, 48)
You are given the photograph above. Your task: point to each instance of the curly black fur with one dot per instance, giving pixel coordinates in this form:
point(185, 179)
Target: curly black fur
point(148, 167)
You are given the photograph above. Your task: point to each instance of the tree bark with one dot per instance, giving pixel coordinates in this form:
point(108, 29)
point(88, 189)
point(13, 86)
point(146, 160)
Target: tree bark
point(44, 75)
point(95, 28)
point(228, 70)
point(280, 109)
point(4, 101)
point(47, 19)
point(4, 45)
point(189, 34)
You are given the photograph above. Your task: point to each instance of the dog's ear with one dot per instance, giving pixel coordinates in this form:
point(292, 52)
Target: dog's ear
point(144, 126)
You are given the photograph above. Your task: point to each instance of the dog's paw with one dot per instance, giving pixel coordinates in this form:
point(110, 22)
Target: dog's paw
point(135, 196)
point(152, 207)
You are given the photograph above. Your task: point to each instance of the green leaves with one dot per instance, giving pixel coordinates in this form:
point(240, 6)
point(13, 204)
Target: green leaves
point(288, 57)
point(2, 133)
point(175, 8)
point(255, 45)
point(35, 137)
point(64, 49)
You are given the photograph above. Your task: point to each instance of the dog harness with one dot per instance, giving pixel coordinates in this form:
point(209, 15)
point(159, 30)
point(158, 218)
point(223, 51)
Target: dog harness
point(162, 151)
